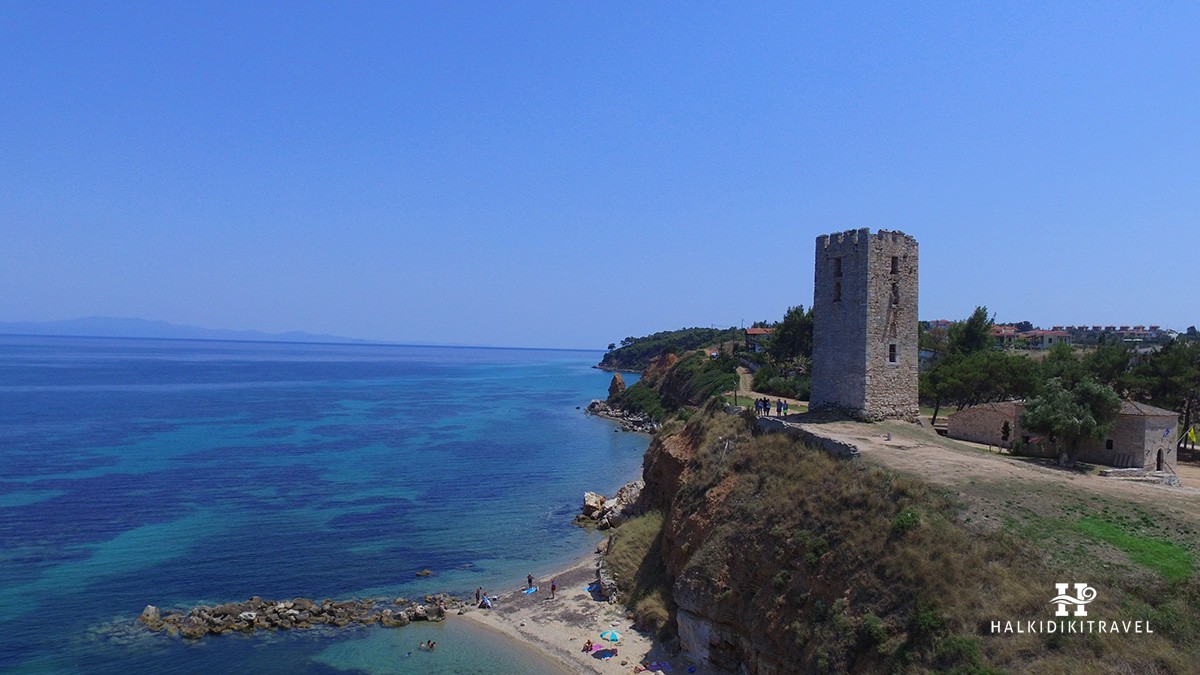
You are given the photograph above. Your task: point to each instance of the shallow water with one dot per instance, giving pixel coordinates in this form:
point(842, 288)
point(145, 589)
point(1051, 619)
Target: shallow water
point(175, 472)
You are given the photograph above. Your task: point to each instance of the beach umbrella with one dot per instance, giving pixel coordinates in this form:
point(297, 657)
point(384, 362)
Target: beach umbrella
point(610, 635)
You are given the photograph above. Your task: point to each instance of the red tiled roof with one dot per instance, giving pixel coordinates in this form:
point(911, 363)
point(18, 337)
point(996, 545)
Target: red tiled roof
point(759, 331)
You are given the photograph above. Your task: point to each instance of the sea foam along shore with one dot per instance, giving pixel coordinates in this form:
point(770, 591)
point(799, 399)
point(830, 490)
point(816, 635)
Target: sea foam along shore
point(559, 627)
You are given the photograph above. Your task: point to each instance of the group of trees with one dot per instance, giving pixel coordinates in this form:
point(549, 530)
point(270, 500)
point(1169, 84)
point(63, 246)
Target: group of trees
point(1069, 396)
point(783, 367)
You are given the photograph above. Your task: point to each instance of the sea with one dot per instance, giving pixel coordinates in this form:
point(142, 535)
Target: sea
point(177, 473)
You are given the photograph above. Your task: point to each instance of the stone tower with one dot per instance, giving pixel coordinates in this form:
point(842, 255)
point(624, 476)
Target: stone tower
point(865, 324)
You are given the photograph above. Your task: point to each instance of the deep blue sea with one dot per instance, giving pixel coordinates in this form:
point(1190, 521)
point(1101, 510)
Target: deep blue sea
point(173, 473)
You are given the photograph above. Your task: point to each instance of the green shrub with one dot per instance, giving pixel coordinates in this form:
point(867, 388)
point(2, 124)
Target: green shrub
point(905, 521)
point(872, 630)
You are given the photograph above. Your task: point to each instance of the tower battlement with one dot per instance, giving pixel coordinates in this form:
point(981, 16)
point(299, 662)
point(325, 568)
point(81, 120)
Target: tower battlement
point(853, 237)
point(865, 324)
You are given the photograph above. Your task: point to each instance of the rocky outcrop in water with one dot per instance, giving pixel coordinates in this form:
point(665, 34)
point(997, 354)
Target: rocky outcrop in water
point(299, 613)
point(605, 513)
point(616, 386)
point(629, 421)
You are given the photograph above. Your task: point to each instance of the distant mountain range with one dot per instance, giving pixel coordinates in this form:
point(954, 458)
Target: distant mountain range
point(101, 326)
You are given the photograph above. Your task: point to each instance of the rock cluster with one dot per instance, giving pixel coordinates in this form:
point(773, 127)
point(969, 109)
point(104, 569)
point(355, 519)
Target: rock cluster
point(606, 513)
point(256, 613)
point(629, 421)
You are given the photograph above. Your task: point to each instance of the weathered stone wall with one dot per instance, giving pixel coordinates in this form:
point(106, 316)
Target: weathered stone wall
point(863, 308)
point(984, 424)
point(839, 449)
point(1155, 440)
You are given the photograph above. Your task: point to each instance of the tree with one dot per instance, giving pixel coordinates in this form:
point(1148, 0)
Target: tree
point(793, 337)
point(612, 346)
point(1062, 363)
point(1072, 415)
point(972, 335)
point(1109, 364)
point(1170, 378)
point(979, 377)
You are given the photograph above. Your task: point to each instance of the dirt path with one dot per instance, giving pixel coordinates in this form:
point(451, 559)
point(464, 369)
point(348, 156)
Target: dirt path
point(746, 391)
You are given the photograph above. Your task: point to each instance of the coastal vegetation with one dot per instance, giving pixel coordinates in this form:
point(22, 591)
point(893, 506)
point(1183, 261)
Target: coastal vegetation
point(671, 383)
point(636, 353)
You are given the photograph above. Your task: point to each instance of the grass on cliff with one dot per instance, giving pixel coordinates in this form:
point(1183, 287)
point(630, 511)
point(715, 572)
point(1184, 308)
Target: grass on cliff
point(846, 566)
point(635, 560)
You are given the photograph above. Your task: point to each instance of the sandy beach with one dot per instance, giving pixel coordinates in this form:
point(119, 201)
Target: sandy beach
point(559, 627)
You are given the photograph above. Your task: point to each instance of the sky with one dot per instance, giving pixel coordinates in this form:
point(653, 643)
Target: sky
point(566, 174)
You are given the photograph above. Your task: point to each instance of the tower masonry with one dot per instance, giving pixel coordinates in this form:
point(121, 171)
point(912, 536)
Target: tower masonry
point(865, 324)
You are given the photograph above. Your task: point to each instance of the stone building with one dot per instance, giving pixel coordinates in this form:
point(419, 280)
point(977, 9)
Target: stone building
point(865, 351)
point(1143, 436)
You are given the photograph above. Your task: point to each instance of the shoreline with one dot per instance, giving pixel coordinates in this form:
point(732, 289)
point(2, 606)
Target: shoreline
point(558, 628)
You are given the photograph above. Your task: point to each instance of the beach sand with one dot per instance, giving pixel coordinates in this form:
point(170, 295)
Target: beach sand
point(561, 626)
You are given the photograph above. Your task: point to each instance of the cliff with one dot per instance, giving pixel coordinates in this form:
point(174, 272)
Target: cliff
point(772, 556)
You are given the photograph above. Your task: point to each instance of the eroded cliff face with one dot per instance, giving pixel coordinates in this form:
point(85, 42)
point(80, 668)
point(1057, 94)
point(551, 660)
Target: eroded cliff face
point(714, 623)
point(784, 559)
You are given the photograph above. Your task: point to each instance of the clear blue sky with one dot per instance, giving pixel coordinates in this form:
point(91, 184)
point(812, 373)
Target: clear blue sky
point(568, 174)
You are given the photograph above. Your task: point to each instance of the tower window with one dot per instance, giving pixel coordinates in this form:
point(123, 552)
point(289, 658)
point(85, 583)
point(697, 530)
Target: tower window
point(895, 294)
point(837, 291)
point(895, 264)
point(1108, 444)
point(837, 267)
point(892, 352)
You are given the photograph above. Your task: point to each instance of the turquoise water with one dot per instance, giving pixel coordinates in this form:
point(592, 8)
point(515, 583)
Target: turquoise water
point(138, 472)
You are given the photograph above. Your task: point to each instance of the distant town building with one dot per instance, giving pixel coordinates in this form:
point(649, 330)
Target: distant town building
point(1005, 336)
point(1045, 339)
point(756, 338)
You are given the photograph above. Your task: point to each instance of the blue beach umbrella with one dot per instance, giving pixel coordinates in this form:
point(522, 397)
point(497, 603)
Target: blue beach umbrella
point(610, 635)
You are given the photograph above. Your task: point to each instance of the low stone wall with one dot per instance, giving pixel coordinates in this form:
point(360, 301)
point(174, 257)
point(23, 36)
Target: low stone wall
point(839, 449)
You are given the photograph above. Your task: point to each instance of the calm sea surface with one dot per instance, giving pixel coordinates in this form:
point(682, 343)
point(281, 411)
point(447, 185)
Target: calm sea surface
point(172, 473)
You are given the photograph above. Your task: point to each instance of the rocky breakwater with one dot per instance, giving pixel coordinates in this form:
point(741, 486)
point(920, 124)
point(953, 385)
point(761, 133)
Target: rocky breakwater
point(299, 613)
point(638, 422)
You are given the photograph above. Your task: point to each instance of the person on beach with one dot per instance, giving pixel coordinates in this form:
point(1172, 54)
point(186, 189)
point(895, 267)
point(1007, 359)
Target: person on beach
point(529, 581)
point(587, 646)
point(779, 407)
point(553, 588)
point(785, 407)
